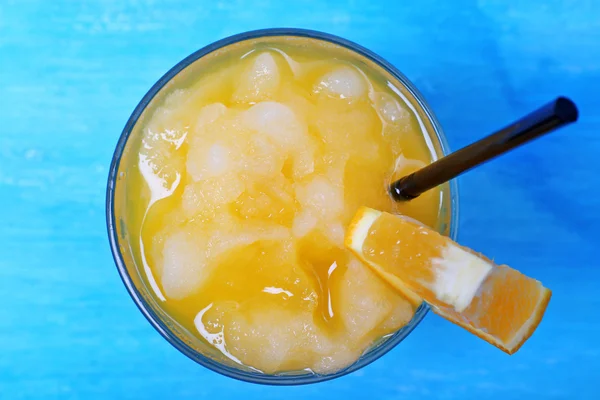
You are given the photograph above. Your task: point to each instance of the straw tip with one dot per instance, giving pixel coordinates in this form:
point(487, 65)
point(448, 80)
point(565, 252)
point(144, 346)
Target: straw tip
point(399, 191)
point(566, 109)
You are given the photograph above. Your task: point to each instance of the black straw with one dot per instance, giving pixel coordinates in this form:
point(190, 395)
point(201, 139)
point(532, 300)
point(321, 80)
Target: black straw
point(553, 115)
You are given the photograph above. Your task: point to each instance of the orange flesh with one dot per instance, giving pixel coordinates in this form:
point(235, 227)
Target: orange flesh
point(404, 249)
point(307, 293)
point(506, 308)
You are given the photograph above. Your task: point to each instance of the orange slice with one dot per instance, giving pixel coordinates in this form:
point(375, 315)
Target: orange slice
point(494, 302)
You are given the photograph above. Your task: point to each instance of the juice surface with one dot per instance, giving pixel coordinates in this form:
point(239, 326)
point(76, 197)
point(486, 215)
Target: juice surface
point(244, 181)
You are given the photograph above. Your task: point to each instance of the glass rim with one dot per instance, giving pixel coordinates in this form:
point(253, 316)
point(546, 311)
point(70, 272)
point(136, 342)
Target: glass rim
point(267, 379)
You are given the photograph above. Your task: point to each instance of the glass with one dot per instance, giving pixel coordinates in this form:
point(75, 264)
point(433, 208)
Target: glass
point(137, 282)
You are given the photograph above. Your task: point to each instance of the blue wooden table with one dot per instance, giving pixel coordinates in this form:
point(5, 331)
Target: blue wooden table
point(71, 72)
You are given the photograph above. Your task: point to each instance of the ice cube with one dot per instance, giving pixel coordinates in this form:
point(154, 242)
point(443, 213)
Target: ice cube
point(184, 266)
point(271, 339)
point(321, 196)
point(209, 114)
point(209, 161)
point(263, 158)
point(177, 98)
point(401, 314)
point(254, 205)
point(404, 165)
point(259, 81)
point(165, 115)
point(362, 300)
point(280, 189)
point(217, 124)
point(344, 82)
point(304, 223)
point(227, 239)
point(278, 122)
point(346, 127)
point(203, 197)
point(335, 233)
point(389, 109)
point(303, 163)
point(270, 199)
point(334, 361)
point(335, 169)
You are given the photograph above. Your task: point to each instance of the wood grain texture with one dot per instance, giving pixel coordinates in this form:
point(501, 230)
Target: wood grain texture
point(71, 72)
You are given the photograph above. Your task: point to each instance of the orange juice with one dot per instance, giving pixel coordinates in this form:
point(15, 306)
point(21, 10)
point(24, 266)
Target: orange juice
point(247, 171)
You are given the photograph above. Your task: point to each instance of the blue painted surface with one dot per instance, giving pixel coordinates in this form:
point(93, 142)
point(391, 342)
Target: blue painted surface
point(72, 72)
